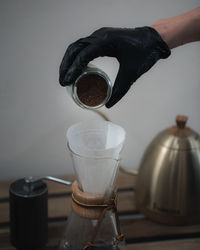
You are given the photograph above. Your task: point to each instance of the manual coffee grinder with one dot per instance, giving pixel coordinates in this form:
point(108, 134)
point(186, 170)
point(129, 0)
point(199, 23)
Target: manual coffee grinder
point(95, 148)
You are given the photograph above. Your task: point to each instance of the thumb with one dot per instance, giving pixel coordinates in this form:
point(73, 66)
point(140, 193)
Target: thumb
point(122, 84)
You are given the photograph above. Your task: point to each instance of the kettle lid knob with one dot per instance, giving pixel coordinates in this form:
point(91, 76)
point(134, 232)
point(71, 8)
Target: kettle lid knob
point(181, 121)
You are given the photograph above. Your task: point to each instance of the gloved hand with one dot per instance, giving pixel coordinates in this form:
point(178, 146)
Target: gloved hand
point(137, 50)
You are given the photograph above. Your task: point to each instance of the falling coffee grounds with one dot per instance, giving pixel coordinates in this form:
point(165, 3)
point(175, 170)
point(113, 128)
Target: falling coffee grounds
point(92, 90)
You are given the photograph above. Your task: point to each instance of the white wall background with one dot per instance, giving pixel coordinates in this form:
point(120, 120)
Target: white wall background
point(35, 111)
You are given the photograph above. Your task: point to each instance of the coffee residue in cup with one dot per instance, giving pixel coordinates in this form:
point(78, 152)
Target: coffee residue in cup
point(92, 90)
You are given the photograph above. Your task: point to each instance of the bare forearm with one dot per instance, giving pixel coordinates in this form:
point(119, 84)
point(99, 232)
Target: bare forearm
point(181, 29)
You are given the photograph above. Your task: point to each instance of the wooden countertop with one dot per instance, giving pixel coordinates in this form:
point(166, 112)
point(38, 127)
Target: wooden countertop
point(141, 233)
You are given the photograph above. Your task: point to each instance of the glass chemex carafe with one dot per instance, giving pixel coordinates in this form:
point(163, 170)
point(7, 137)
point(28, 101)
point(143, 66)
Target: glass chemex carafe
point(95, 148)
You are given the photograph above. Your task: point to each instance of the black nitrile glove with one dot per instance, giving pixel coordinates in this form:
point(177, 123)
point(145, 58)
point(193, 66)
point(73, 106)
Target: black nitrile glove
point(137, 50)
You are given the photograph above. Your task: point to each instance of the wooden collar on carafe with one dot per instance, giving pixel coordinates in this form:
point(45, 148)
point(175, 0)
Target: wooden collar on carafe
point(89, 206)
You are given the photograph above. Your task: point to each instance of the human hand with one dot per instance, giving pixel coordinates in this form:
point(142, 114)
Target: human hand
point(137, 50)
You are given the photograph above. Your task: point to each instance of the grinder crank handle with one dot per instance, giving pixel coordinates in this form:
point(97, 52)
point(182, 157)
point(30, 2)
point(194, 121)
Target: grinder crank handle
point(31, 180)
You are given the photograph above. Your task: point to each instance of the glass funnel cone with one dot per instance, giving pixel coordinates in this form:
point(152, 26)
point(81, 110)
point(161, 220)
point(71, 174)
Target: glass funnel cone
point(95, 147)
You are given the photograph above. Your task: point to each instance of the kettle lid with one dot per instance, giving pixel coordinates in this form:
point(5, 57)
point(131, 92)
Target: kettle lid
point(179, 137)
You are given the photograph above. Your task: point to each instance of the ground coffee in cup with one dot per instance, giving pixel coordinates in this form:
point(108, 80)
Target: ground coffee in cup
point(92, 89)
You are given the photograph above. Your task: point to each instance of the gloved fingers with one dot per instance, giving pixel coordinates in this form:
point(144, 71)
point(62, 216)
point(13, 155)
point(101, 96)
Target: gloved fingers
point(82, 59)
point(117, 96)
point(122, 84)
point(69, 56)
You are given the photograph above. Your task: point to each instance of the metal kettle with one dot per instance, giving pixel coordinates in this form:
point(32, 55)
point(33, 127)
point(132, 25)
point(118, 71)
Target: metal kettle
point(168, 182)
point(168, 179)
